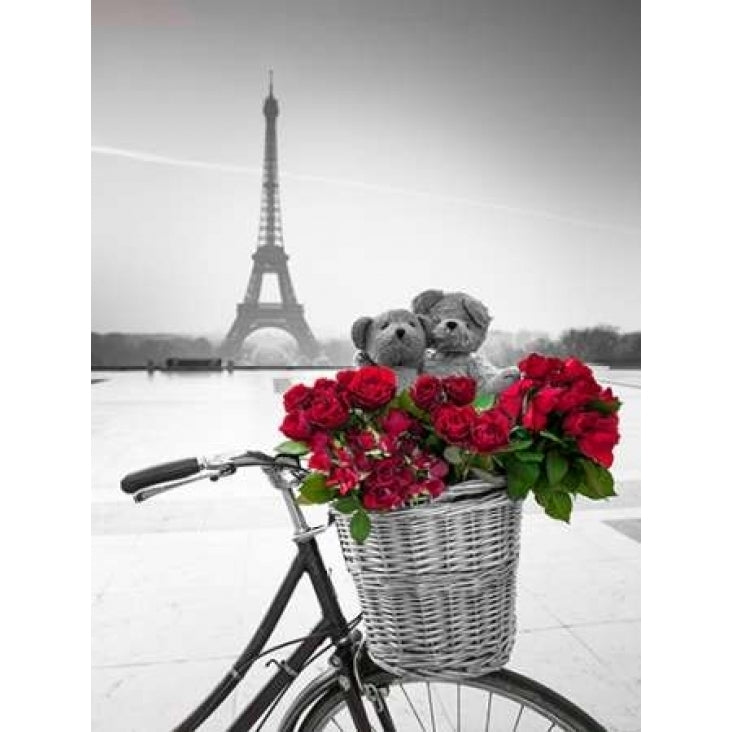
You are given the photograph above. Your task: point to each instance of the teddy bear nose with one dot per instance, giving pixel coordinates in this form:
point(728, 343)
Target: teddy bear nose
point(400, 332)
point(451, 325)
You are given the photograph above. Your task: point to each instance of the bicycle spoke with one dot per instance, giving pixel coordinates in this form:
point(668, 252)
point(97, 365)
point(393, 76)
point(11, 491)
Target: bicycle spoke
point(414, 711)
point(520, 706)
point(458, 707)
point(488, 712)
point(445, 712)
point(518, 718)
point(432, 711)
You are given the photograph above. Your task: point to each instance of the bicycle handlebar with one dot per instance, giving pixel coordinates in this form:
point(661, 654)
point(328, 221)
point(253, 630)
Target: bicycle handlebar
point(175, 470)
point(214, 468)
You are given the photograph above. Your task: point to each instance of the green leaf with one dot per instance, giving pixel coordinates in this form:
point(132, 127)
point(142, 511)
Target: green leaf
point(605, 407)
point(551, 436)
point(482, 474)
point(515, 446)
point(559, 505)
point(556, 467)
point(484, 462)
point(484, 401)
point(598, 482)
point(571, 481)
point(541, 490)
point(521, 477)
point(453, 455)
point(314, 490)
point(526, 456)
point(360, 526)
point(347, 504)
point(290, 447)
point(405, 402)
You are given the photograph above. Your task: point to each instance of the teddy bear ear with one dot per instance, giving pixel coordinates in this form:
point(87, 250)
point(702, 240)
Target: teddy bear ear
point(426, 324)
point(424, 302)
point(360, 332)
point(477, 312)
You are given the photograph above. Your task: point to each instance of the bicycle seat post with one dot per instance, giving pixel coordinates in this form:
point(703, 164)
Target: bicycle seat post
point(279, 481)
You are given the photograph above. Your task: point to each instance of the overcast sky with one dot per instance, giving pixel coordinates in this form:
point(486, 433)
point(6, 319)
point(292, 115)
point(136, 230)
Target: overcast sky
point(490, 146)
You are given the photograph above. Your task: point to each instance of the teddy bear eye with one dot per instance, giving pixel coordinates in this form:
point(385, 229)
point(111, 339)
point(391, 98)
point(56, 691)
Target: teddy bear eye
point(384, 326)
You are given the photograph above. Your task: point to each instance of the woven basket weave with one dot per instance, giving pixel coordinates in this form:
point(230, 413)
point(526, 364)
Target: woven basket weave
point(437, 584)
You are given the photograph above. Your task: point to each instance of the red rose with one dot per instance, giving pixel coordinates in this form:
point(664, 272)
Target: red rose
point(426, 391)
point(434, 466)
point(320, 461)
point(511, 400)
point(324, 384)
point(533, 419)
point(387, 485)
point(296, 397)
point(490, 431)
point(407, 445)
point(296, 426)
point(607, 397)
point(578, 423)
point(438, 468)
point(596, 434)
point(362, 461)
point(318, 441)
point(578, 394)
point(545, 400)
point(395, 422)
point(598, 446)
point(344, 377)
point(388, 444)
point(433, 486)
point(542, 403)
point(327, 409)
point(372, 387)
point(454, 423)
point(389, 472)
point(460, 390)
point(536, 366)
point(363, 439)
point(345, 478)
point(381, 499)
point(572, 369)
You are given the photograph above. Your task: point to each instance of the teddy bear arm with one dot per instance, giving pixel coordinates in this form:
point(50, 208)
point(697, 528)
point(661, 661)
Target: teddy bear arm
point(361, 358)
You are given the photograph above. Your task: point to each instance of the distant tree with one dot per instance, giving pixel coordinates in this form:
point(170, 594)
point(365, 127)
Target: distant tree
point(598, 344)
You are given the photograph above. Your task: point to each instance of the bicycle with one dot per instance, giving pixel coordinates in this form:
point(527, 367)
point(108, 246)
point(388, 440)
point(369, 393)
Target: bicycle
point(355, 693)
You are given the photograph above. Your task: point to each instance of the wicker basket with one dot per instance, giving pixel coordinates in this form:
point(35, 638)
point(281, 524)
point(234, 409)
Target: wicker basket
point(437, 583)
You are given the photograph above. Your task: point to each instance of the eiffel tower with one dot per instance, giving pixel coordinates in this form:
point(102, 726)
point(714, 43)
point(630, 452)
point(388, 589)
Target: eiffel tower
point(270, 259)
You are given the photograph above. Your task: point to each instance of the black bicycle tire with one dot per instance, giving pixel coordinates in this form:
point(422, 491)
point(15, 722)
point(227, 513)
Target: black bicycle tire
point(507, 683)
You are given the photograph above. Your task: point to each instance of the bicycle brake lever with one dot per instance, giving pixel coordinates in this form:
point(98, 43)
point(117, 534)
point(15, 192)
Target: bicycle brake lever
point(156, 490)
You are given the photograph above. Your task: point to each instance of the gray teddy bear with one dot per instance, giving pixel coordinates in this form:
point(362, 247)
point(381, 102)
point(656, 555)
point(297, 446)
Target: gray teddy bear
point(458, 324)
point(396, 338)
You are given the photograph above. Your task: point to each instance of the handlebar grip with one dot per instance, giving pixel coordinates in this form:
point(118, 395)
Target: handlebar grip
point(162, 473)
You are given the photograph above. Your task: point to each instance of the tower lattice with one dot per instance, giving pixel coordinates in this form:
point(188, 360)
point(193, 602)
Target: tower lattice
point(270, 258)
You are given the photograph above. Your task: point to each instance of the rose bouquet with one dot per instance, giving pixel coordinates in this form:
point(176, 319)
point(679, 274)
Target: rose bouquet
point(373, 449)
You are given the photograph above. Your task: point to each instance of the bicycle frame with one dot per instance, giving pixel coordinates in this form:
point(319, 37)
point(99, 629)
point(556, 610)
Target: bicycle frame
point(332, 626)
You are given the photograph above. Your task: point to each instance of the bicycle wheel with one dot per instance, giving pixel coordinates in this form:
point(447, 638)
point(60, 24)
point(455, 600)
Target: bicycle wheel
point(503, 701)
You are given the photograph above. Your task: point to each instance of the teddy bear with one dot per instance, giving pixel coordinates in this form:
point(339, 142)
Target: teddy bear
point(458, 324)
point(395, 338)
